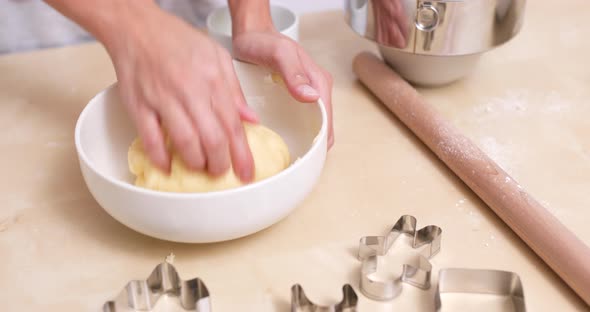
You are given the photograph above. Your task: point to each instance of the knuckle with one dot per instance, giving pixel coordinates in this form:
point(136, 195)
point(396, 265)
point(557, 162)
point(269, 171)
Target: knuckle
point(148, 94)
point(149, 142)
point(211, 74)
point(215, 142)
point(275, 55)
point(182, 140)
point(157, 97)
point(281, 46)
point(198, 161)
point(181, 80)
point(219, 168)
point(236, 128)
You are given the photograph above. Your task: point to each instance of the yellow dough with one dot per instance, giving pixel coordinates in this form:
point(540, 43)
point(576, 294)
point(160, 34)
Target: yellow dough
point(271, 155)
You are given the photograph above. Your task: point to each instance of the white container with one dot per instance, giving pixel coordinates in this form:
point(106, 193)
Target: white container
point(104, 133)
point(219, 25)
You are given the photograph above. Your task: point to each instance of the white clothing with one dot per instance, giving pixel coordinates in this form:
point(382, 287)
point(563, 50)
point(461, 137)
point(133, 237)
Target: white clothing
point(32, 24)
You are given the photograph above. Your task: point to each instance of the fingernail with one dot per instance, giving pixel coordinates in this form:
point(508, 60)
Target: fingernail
point(164, 162)
point(252, 116)
point(307, 90)
point(249, 118)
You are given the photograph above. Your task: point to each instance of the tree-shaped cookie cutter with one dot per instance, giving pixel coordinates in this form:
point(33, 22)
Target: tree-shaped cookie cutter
point(143, 295)
point(300, 302)
point(372, 247)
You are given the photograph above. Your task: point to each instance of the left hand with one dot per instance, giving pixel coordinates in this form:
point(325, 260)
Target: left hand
point(305, 80)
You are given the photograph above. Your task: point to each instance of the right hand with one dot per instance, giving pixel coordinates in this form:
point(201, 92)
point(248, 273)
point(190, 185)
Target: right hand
point(172, 77)
point(391, 23)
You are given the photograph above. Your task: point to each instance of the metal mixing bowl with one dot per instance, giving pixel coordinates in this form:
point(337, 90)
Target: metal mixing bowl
point(435, 42)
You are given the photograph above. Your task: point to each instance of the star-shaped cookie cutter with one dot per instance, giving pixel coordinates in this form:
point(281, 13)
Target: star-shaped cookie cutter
point(371, 247)
point(300, 302)
point(143, 295)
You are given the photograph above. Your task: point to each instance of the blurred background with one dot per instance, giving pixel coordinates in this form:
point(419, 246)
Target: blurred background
point(31, 24)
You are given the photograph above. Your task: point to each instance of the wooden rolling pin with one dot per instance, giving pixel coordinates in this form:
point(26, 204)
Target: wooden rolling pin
point(565, 253)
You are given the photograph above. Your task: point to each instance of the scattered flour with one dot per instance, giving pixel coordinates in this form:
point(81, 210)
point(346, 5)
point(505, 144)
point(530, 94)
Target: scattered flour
point(497, 152)
point(511, 101)
point(522, 103)
point(502, 133)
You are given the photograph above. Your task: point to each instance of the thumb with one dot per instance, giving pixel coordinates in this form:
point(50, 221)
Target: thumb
point(281, 54)
point(300, 88)
point(293, 74)
point(247, 114)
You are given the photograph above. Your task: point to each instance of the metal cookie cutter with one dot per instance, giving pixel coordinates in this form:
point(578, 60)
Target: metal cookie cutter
point(371, 247)
point(472, 281)
point(164, 280)
point(300, 302)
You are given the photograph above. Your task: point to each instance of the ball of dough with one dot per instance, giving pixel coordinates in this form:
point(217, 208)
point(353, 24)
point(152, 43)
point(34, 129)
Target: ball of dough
point(270, 153)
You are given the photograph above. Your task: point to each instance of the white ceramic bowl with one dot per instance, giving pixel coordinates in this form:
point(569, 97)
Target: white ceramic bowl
point(104, 133)
point(219, 24)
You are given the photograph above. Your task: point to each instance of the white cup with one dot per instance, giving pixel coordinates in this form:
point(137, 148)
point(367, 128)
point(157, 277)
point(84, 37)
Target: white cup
point(219, 24)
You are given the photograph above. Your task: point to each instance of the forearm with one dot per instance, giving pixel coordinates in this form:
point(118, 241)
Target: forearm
point(250, 15)
point(104, 19)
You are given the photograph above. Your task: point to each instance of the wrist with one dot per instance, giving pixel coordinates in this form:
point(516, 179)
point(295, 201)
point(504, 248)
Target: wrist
point(250, 16)
point(130, 19)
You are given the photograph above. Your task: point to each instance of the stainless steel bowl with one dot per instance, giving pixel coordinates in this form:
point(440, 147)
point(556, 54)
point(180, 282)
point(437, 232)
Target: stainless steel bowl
point(435, 42)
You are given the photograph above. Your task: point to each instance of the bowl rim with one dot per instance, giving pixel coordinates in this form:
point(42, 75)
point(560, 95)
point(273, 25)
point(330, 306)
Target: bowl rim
point(316, 144)
point(222, 9)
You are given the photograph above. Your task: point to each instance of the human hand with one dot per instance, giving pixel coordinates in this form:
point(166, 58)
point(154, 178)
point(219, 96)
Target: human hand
point(305, 80)
point(391, 23)
point(174, 78)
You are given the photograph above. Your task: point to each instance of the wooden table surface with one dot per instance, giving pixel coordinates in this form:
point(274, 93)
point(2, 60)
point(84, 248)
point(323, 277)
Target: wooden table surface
point(526, 105)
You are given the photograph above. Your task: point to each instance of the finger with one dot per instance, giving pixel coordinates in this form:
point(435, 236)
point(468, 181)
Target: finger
point(403, 29)
point(199, 104)
point(282, 56)
point(214, 142)
point(397, 38)
point(148, 127)
point(323, 81)
point(241, 156)
point(152, 138)
point(183, 135)
point(288, 63)
point(237, 95)
point(380, 29)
